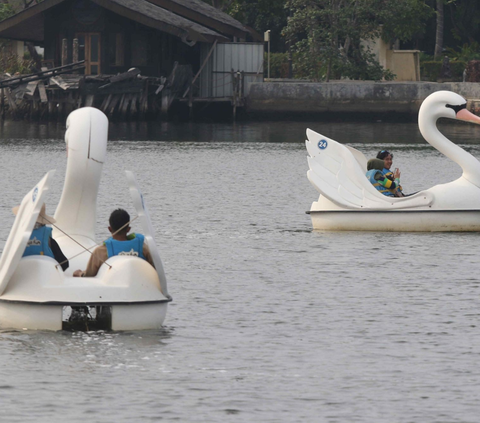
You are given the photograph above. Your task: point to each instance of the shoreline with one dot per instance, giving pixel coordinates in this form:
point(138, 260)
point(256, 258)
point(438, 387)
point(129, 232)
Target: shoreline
point(367, 98)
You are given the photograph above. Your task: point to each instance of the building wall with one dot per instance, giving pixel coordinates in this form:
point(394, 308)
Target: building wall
point(15, 47)
point(405, 64)
point(124, 43)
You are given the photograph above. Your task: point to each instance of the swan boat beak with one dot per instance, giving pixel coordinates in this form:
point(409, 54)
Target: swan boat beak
point(467, 116)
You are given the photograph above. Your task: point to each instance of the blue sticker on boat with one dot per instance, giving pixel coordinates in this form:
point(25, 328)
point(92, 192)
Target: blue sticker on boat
point(322, 144)
point(34, 195)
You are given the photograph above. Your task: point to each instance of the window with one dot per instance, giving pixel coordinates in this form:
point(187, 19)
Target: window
point(89, 50)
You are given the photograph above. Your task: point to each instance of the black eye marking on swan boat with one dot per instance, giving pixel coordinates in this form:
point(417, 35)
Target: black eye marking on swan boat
point(456, 109)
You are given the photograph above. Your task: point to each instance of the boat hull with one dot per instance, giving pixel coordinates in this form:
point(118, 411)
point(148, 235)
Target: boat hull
point(36, 316)
point(396, 221)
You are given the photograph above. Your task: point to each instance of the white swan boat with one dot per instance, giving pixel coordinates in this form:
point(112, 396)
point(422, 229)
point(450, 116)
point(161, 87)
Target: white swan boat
point(126, 294)
point(348, 201)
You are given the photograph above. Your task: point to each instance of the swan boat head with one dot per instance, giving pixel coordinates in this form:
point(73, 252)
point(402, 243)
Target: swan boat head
point(76, 215)
point(446, 104)
point(86, 142)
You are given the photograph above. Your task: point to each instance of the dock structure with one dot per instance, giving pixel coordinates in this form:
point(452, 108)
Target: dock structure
point(132, 60)
point(54, 93)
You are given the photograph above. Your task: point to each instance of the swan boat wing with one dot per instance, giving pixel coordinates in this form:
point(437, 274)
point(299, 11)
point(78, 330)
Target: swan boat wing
point(147, 228)
point(22, 229)
point(338, 174)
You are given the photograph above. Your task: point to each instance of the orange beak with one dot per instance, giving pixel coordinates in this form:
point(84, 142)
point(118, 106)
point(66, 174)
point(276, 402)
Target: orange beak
point(467, 116)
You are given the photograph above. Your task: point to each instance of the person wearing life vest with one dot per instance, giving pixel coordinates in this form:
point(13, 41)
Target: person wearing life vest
point(387, 157)
point(119, 244)
point(41, 242)
point(381, 182)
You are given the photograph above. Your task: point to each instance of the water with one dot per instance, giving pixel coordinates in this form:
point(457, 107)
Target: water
point(271, 321)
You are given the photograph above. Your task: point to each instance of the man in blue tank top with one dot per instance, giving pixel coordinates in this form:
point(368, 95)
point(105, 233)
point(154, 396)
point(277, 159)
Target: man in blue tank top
point(119, 244)
point(41, 242)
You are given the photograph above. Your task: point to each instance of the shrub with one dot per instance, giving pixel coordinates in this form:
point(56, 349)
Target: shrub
point(278, 65)
point(12, 64)
point(432, 71)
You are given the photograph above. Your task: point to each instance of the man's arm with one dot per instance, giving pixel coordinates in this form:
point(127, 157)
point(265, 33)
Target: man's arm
point(385, 182)
point(98, 257)
point(58, 254)
point(147, 255)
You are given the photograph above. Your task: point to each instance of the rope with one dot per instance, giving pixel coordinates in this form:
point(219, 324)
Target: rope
point(85, 248)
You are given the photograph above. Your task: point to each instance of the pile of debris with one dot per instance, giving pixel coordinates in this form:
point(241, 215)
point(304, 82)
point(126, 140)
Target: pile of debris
point(54, 93)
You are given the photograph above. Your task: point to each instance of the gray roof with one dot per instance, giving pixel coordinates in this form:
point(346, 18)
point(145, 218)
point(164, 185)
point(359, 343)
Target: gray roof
point(202, 8)
point(161, 19)
point(28, 25)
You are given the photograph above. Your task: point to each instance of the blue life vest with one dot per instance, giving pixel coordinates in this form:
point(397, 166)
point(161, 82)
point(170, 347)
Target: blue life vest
point(389, 174)
point(131, 247)
point(371, 177)
point(38, 244)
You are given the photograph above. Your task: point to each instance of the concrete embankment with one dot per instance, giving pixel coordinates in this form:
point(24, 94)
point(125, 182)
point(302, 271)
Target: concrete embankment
point(359, 97)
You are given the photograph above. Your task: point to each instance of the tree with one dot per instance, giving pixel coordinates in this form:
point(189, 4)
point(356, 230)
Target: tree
point(5, 11)
point(439, 32)
point(465, 20)
point(327, 35)
point(222, 5)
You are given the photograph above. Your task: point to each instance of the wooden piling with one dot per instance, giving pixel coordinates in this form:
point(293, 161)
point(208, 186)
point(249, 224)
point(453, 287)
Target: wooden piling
point(75, 50)
point(64, 52)
point(2, 104)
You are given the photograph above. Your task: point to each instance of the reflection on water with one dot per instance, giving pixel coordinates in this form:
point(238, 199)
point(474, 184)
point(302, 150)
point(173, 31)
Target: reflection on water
point(270, 132)
point(270, 321)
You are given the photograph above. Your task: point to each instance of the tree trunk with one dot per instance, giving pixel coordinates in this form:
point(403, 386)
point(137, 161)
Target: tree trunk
point(439, 34)
point(329, 68)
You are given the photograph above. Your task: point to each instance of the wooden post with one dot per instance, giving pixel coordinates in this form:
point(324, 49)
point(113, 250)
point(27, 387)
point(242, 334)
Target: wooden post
point(34, 108)
point(2, 104)
point(190, 96)
point(89, 100)
point(234, 93)
point(11, 102)
point(64, 52)
point(145, 99)
point(242, 85)
point(50, 109)
point(42, 92)
point(75, 50)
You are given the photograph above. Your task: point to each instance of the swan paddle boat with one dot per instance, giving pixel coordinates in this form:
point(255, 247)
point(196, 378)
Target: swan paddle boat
point(126, 294)
point(349, 202)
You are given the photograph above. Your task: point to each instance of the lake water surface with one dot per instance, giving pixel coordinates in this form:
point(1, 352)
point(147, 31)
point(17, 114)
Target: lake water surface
point(270, 321)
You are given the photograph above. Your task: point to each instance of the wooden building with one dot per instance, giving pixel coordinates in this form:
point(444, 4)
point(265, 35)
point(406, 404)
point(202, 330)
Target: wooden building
point(169, 42)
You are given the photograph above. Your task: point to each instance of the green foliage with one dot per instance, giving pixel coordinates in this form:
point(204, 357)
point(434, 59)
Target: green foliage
point(465, 19)
point(278, 65)
point(403, 19)
point(263, 15)
point(6, 11)
point(466, 53)
point(12, 64)
point(432, 71)
point(327, 35)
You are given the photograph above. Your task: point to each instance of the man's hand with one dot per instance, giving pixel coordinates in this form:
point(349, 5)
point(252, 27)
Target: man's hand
point(78, 273)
